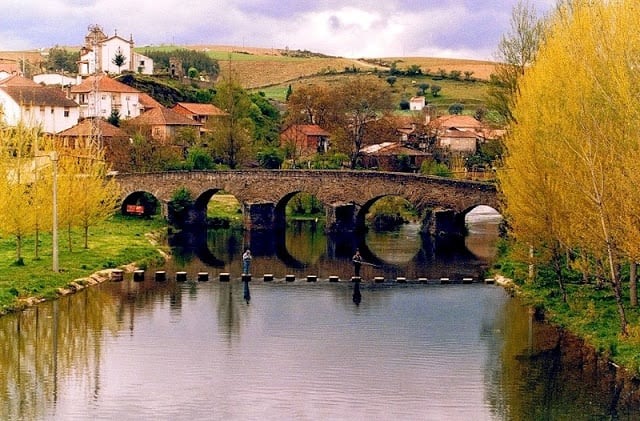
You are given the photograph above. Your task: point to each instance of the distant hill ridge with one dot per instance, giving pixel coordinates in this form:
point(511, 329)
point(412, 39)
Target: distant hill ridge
point(257, 67)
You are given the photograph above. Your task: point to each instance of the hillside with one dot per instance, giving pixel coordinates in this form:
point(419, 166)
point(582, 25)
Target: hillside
point(273, 70)
point(264, 67)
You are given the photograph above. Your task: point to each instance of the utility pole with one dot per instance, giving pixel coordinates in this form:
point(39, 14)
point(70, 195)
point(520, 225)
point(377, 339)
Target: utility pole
point(95, 138)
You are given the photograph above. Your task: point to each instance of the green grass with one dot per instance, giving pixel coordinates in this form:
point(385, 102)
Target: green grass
point(114, 243)
point(591, 314)
point(471, 94)
point(223, 56)
point(225, 206)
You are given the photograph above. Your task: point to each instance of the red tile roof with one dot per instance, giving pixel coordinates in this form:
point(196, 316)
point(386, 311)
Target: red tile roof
point(200, 109)
point(309, 129)
point(84, 128)
point(17, 80)
point(147, 101)
point(163, 117)
point(457, 121)
point(105, 84)
point(38, 95)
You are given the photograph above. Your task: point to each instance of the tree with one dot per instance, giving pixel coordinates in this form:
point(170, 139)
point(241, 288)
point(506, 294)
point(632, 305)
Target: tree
point(516, 51)
point(569, 183)
point(96, 193)
point(119, 59)
point(435, 90)
point(266, 119)
point(456, 108)
point(60, 59)
point(362, 101)
point(17, 196)
point(271, 158)
point(114, 117)
point(391, 80)
point(232, 133)
point(310, 104)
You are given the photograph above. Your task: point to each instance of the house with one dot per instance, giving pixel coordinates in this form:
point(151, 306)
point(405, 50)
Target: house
point(116, 142)
point(417, 103)
point(198, 112)
point(307, 139)
point(99, 53)
point(99, 95)
point(163, 124)
point(55, 79)
point(22, 101)
point(457, 133)
point(392, 156)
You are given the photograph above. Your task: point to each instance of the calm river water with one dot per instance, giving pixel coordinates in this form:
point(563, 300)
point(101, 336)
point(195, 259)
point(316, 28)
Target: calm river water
point(302, 350)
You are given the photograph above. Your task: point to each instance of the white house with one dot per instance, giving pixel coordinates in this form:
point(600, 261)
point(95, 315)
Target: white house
point(99, 95)
point(98, 55)
point(55, 79)
point(416, 103)
point(38, 106)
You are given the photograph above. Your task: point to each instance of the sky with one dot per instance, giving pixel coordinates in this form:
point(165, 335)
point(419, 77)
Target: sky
point(361, 28)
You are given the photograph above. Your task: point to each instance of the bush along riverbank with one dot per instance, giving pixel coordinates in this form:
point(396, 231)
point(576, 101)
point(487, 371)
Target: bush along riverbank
point(590, 310)
point(117, 242)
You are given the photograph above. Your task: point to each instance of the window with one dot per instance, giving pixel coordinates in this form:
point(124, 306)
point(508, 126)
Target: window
point(66, 111)
point(141, 62)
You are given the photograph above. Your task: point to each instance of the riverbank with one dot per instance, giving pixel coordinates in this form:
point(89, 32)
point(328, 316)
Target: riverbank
point(590, 314)
point(114, 243)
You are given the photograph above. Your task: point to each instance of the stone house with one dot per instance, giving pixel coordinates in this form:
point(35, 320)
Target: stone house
point(163, 124)
point(99, 95)
point(457, 133)
point(307, 139)
point(202, 113)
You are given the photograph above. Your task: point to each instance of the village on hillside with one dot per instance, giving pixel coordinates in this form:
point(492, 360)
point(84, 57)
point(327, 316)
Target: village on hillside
point(94, 105)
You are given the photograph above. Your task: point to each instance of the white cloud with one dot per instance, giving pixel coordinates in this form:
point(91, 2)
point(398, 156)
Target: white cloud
point(359, 29)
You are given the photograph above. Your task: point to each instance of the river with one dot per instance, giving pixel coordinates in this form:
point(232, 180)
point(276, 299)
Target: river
point(302, 350)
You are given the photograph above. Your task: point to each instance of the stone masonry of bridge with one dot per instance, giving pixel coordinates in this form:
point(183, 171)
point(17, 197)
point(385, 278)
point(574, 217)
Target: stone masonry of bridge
point(346, 195)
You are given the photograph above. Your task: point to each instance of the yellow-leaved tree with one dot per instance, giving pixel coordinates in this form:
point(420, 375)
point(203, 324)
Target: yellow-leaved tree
point(86, 193)
point(17, 198)
point(570, 174)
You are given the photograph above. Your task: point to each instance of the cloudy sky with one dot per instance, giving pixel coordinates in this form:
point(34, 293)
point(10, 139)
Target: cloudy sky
point(360, 28)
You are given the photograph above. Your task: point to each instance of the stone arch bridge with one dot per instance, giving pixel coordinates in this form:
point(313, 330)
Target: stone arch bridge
point(346, 195)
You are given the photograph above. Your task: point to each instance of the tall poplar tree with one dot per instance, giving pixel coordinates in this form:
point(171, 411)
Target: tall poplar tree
point(17, 198)
point(575, 142)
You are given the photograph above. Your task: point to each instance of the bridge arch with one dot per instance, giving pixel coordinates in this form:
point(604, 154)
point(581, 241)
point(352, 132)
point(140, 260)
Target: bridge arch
point(342, 192)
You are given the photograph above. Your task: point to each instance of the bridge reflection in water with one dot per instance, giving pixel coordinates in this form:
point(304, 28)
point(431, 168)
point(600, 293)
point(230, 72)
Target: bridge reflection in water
point(303, 249)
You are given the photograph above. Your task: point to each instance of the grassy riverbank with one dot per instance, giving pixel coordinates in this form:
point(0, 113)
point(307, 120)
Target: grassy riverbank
point(116, 242)
point(590, 312)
